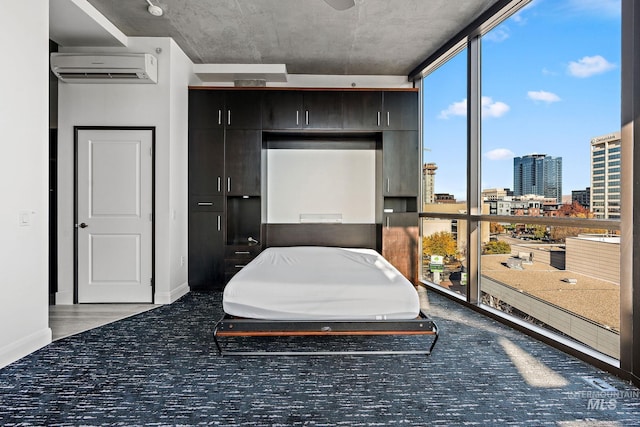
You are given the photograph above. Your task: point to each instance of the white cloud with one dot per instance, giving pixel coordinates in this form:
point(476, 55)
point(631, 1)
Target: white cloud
point(499, 154)
point(589, 66)
point(543, 96)
point(455, 109)
point(489, 109)
point(493, 109)
point(498, 34)
point(600, 8)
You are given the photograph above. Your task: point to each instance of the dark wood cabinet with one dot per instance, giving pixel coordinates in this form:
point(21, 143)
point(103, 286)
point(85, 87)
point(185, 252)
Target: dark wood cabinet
point(206, 109)
point(206, 161)
point(243, 110)
point(243, 153)
point(362, 110)
point(400, 110)
point(236, 257)
point(225, 168)
point(206, 250)
point(400, 163)
point(311, 109)
point(322, 110)
point(282, 110)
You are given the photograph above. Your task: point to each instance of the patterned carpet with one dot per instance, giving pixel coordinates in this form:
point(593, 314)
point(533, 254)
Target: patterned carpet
point(159, 368)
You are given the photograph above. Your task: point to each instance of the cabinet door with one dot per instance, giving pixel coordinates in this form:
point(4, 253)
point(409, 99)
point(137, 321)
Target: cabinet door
point(400, 163)
point(322, 110)
point(400, 243)
point(206, 250)
point(206, 109)
point(400, 110)
point(206, 161)
point(362, 110)
point(243, 153)
point(243, 110)
point(282, 110)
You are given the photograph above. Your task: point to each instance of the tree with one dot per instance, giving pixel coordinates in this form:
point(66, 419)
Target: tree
point(498, 247)
point(574, 210)
point(496, 228)
point(439, 243)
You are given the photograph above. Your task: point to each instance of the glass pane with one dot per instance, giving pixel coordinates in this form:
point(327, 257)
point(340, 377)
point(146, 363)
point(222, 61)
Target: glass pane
point(444, 171)
point(551, 148)
point(563, 278)
point(444, 247)
point(550, 90)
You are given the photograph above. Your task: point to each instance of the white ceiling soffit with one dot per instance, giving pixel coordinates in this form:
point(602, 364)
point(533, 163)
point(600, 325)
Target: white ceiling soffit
point(231, 72)
point(78, 23)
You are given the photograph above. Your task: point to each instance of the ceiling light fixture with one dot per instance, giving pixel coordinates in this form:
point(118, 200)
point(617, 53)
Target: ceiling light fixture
point(340, 4)
point(154, 10)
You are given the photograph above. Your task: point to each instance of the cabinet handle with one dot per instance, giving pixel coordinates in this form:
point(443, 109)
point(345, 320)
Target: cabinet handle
point(388, 185)
point(219, 223)
point(378, 118)
point(205, 203)
point(219, 184)
point(242, 252)
point(388, 223)
point(228, 184)
point(306, 117)
point(228, 117)
point(219, 117)
point(388, 119)
point(240, 265)
point(297, 117)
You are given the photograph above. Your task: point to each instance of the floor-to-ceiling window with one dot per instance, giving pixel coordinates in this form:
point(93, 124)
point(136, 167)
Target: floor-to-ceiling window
point(536, 231)
point(444, 174)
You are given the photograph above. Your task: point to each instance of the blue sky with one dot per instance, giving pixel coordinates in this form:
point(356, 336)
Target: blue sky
point(550, 83)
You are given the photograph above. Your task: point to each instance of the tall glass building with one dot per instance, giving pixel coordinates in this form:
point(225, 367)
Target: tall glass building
point(538, 174)
point(605, 176)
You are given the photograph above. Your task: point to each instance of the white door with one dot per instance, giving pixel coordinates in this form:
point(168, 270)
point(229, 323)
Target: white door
point(114, 215)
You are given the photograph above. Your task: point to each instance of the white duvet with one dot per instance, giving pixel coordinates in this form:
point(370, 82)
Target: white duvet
point(320, 283)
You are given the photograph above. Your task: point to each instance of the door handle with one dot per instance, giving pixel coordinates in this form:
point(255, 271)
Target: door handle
point(83, 225)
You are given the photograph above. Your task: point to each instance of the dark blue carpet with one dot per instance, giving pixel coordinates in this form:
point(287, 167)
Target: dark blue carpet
point(160, 368)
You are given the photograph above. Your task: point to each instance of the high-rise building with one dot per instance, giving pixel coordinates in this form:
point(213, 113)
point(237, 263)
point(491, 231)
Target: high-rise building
point(605, 176)
point(538, 174)
point(582, 196)
point(428, 182)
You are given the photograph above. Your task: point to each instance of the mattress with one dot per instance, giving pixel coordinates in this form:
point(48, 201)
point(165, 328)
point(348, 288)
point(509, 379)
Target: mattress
point(320, 283)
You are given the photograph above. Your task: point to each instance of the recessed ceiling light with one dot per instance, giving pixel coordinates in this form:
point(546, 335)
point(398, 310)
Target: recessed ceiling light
point(154, 10)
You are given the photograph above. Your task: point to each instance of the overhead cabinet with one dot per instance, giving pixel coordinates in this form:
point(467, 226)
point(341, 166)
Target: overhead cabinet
point(212, 109)
point(302, 110)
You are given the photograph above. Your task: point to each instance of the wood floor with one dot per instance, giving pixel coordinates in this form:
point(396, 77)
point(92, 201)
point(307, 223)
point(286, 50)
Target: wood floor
point(66, 320)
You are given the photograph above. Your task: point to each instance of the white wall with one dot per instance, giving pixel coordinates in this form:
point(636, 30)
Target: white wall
point(24, 122)
point(164, 106)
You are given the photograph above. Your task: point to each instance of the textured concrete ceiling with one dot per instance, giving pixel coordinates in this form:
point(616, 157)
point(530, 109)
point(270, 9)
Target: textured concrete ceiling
point(383, 37)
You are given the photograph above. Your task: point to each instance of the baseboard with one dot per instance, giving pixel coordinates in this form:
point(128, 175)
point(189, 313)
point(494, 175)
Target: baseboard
point(172, 296)
point(24, 346)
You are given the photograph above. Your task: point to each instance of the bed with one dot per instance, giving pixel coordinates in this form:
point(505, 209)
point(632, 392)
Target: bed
point(321, 291)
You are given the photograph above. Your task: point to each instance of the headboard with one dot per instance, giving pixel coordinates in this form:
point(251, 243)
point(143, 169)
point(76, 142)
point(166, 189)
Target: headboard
point(318, 234)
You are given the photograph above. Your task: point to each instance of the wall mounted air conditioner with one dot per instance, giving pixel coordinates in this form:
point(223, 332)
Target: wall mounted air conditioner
point(105, 68)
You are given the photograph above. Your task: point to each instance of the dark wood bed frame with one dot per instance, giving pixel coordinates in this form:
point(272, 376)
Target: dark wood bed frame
point(336, 235)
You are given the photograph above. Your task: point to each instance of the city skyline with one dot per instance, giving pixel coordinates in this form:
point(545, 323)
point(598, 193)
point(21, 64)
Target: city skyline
point(550, 84)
